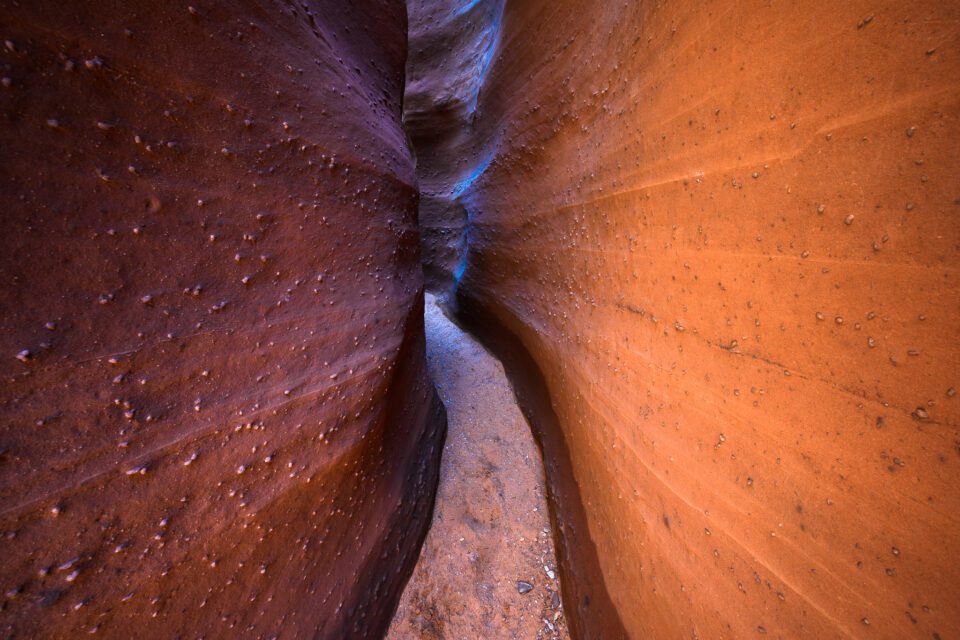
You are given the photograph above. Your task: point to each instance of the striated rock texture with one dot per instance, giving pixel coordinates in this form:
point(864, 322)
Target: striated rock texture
point(215, 418)
point(716, 244)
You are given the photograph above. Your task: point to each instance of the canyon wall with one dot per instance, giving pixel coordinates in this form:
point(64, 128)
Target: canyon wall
point(215, 418)
point(715, 243)
point(452, 45)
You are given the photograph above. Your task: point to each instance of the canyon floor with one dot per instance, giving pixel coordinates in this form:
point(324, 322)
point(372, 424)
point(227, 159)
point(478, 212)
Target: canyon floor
point(487, 568)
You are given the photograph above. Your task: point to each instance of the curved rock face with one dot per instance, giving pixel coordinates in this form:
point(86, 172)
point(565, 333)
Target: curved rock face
point(215, 419)
point(452, 45)
point(724, 234)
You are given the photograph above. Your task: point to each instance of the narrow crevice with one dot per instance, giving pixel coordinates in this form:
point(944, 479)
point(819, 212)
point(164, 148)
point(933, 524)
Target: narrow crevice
point(451, 53)
point(451, 49)
point(589, 608)
point(489, 560)
point(682, 273)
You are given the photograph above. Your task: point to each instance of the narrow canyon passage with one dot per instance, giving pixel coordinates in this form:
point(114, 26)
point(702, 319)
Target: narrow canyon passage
point(487, 567)
point(712, 246)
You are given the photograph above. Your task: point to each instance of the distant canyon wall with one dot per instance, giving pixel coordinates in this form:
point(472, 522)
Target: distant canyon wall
point(453, 44)
point(716, 243)
point(215, 418)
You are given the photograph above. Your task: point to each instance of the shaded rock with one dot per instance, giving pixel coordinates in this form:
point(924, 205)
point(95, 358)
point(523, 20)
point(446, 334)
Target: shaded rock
point(209, 272)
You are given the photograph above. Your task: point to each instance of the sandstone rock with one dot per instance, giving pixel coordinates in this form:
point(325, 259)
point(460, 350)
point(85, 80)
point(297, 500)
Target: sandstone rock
point(452, 46)
point(215, 419)
point(641, 168)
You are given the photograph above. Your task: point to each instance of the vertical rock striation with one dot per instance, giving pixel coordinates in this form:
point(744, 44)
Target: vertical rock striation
point(215, 418)
point(715, 243)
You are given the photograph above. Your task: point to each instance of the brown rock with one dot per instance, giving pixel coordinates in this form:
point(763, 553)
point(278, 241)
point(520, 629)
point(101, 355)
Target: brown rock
point(215, 418)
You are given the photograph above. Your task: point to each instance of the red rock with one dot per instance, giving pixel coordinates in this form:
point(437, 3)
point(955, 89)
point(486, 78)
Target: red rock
point(215, 420)
point(713, 242)
point(662, 199)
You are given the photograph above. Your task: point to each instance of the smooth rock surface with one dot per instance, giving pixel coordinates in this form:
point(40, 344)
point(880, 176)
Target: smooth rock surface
point(716, 245)
point(487, 568)
point(215, 418)
point(452, 45)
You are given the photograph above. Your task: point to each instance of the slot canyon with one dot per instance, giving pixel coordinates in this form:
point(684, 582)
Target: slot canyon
point(480, 319)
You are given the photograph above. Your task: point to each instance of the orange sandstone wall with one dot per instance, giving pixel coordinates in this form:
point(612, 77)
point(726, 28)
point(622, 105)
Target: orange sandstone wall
point(215, 419)
point(725, 232)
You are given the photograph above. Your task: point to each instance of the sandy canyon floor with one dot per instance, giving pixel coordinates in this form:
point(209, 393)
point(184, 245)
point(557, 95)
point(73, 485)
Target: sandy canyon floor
point(487, 568)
